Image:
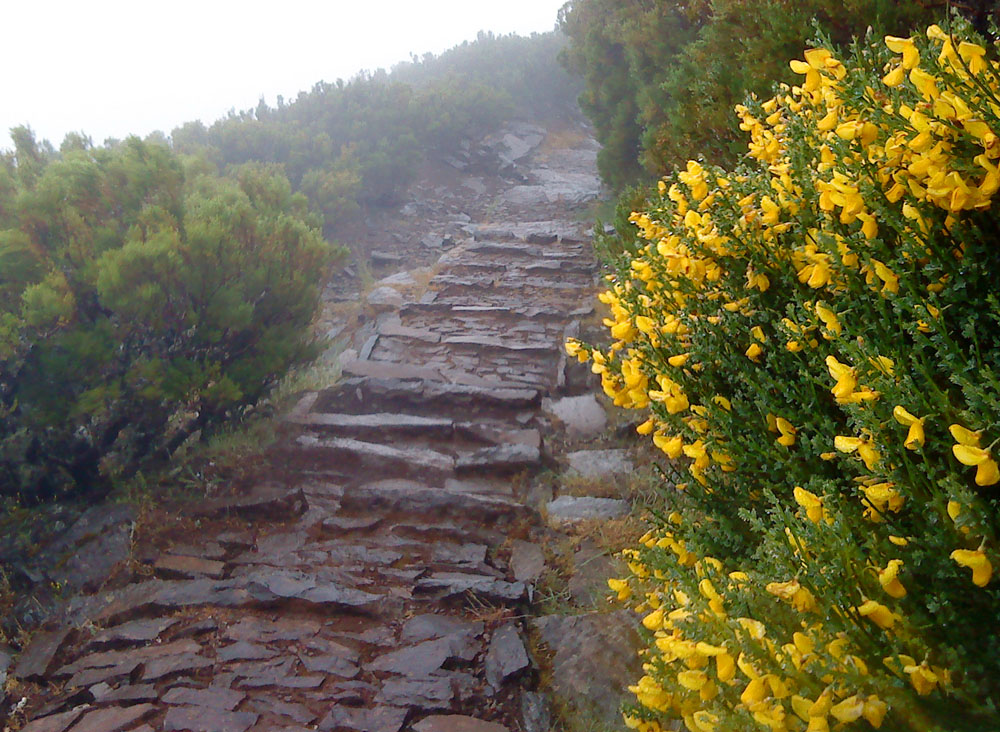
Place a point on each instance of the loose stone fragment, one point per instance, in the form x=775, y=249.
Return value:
x=506, y=656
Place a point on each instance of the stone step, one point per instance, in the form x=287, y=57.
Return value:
x=358, y=456
x=412, y=497
x=504, y=312
x=366, y=395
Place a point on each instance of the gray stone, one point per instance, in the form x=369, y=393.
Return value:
x=205, y=719
x=380, y=257
x=331, y=664
x=263, y=501
x=536, y=712
x=415, y=461
x=600, y=464
x=582, y=416
x=244, y=651
x=593, y=661
x=456, y=723
x=506, y=656
x=426, y=627
x=384, y=298
x=500, y=459
x=409, y=496
x=116, y=719
x=267, y=585
x=429, y=694
x=591, y=569
x=185, y=567
x=126, y=694
x=351, y=719
x=449, y=584
x=571, y=509
x=158, y=668
x=131, y=633
x=55, y=722
x=527, y=561
x=92, y=563
x=212, y=698
x=36, y=661
x=419, y=660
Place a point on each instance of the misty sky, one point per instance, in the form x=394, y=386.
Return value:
x=114, y=67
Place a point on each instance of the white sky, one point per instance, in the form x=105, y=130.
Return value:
x=111, y=68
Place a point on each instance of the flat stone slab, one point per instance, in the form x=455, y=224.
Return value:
x=385, y=298
x=37, y=659
x=506, y=656
x=379, y=456
x=571, y=509
x=55, y=722
x=411, y=496
x=527, y=561
x=174, y=566
x=456, y=723
x=583, y=416
x=116, y=719
x=205, y=719
x=593, y=660
x=212, y=698
x=600, y=463
x=502, y=458
x=360, y=719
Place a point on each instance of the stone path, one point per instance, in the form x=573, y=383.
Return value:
x=379, y=585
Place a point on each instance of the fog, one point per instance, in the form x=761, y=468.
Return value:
x=110, y=68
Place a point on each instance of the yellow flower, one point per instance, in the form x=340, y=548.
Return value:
x=987, y=470
x=889, y=579
x=915, y=436
x=787, y=431
x=812, y=503
x=878, y=613
x=976, y=560
x=800, y=598
x=621, y=588
x=863, y=447
x=754, y=351
x=874, y=711
x=830, y=320
x=905, y=46
x=849, y=710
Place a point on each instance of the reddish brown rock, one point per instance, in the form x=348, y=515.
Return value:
x=204, y=719
x=37, y=660
x=55, y=722
x=113, y=719
x=456, y=723
x=175, y=566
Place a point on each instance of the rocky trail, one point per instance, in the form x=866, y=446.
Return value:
x=385, y=575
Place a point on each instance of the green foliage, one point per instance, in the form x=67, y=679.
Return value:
x=350, y=145
x=139, y=303
x=662, y=77
x=815, y=335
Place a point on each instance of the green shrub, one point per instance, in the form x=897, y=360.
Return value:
x=816, y=335
x=138, y=305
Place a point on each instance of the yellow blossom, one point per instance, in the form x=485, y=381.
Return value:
x=915, y=436
x=976, y=560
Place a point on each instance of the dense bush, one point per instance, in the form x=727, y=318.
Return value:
x=662, y=76
x=138, y=303
x=816, y=336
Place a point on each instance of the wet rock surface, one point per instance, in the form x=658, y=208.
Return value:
x=373, y=587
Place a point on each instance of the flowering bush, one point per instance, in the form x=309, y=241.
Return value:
x=816, y=338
